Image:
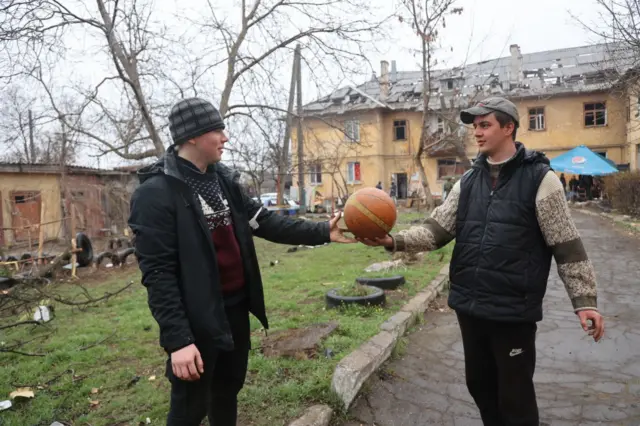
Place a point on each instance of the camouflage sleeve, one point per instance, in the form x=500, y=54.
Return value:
x=574, y=267
x=438, y=230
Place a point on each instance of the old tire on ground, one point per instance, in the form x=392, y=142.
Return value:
x=122, y=256
x=12, y=259
x=385, y=283
x=84, y=257
x=376, y=298
x=108, y=255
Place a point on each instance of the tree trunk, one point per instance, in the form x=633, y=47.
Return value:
x=128, y=63
x=424, y=135
x=423, y=174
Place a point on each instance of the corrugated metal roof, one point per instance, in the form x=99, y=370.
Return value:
x=17, y=167
x=562, y=71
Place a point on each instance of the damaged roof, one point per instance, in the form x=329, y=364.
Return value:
x=583, y=69
x=46, y=168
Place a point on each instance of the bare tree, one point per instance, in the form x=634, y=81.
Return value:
x=257, y=149
x=152, y=66
x=30, y=134
x=426, y=17
x=124, y=28
x=618, y=25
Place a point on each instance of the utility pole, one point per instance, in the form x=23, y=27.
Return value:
x=284, y=160
x=300, y=137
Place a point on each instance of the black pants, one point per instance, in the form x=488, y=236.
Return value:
x=500, y=360
x=216, y=393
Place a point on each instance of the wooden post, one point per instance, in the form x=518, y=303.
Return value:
x=73, y=240
x=41, y=234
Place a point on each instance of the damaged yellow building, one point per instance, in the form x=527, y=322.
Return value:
x=361, y=135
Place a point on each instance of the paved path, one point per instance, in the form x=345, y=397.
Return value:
x=578, y=381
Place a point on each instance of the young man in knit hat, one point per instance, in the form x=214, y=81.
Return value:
x=194, y=228
x=509, y=217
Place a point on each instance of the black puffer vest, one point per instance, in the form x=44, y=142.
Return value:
x=501, y=262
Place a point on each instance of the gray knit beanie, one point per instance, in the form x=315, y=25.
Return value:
x=193, y=117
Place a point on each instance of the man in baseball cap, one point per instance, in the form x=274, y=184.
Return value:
x=194, y=227
x=489, y=105
x=509, y=217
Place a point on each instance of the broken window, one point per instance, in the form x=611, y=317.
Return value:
x=315, y=171
x=352, y=130
x=19, y=199
x=353, y=172
x=440, y=125
x=450, y=167
x=595, y=114
x=400, y=130
x=536, y=118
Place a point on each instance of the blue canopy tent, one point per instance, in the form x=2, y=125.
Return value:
x=582, y=161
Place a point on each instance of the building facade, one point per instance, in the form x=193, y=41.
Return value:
x=31, y=194
x=359, y=136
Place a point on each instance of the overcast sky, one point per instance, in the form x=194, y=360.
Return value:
x=484, y=31
x=487, y=28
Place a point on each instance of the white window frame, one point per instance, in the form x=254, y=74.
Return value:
x=539, y=119
x=351, y=171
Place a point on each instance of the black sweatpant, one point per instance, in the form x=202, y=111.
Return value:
x=216, y=393
x=500, y=360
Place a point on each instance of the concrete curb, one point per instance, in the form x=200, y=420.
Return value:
x=354, y=369
x=317, y=415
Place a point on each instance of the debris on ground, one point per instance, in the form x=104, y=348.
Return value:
x=43, y=314
x=298, y=343
x=383, y=266
x=22, y=393
x=5, y=405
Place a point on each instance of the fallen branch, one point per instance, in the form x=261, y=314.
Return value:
x=4, y=327
x=84, y=348
x=13, y=351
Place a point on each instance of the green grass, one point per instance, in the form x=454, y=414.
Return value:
x=276, y=390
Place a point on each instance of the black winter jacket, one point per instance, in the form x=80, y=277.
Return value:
x=177, y=257
x=501, y=262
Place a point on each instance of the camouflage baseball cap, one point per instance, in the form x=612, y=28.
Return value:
x=487, y=106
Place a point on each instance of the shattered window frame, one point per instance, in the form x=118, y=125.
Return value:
x=537, y=120
x=352, y=130
x=315, y=171
x=595, y=114
x=449, y=167
x=397, y=126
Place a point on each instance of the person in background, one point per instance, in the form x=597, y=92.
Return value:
x=393, y=192
x=379, y=185
x=194, y=227
x=563, y=181
x=509, y=218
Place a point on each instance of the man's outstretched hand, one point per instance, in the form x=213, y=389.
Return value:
x=596, y=329
x=187, y=363
x=336, y=234
x=386, y=241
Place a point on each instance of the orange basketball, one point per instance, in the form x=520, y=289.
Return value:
x=370, y=213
